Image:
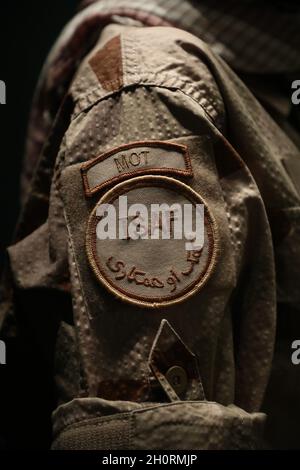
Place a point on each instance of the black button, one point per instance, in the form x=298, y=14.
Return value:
x=177, y=378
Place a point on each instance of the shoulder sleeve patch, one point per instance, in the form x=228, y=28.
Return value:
x=136, y=158
x=136, y=241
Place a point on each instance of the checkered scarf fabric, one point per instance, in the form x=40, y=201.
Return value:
x=252, y=36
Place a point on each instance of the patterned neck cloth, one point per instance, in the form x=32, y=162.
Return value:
x=251, y=37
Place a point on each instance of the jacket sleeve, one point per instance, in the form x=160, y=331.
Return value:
x=187, y=368
x=128, y=95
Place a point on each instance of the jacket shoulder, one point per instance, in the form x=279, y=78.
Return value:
x=158, y=56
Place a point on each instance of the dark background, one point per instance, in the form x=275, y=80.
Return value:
x=28, y=30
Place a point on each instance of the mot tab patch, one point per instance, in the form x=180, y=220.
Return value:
x=152, y=241
x=133, y=159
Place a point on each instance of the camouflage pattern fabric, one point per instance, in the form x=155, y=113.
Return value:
x=123, y=77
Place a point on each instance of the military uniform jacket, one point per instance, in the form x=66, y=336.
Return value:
x=153, y=346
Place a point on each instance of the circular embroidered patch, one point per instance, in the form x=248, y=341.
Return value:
x=152, y=241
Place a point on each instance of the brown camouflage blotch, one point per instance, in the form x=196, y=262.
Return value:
x=107, y=65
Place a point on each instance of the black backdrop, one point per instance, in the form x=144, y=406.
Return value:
x=27, y=31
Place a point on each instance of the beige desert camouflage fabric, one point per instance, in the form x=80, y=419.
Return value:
x=158, y=83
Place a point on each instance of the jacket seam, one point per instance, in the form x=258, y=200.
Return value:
x=88, y=107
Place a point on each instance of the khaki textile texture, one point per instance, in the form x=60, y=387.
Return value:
x=125, y=83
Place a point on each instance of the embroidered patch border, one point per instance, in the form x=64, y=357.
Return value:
x=143, y=300
x=164, y=145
